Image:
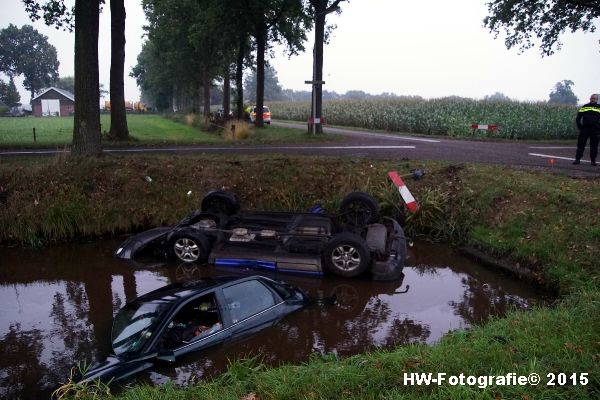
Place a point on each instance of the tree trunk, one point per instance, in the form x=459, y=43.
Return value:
x=206, y=94
x=226, y=93
x=87, y=139
x=261, y=39
x=239, y=84
x=118, y=115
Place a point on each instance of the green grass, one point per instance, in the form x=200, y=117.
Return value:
x=532, y=219
x=146, y=129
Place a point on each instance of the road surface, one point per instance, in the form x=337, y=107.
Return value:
x=358, y=143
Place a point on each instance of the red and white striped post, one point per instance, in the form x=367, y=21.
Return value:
x=408, y=198
x=485, y=127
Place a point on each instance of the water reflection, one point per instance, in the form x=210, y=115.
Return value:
x=58, y=304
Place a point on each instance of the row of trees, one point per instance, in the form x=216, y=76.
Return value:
x=218, y=36
x=84, y=18
x=193, y=44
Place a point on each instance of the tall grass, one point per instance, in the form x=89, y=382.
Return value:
x=445, y=116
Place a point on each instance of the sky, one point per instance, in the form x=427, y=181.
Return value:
x=431, y=49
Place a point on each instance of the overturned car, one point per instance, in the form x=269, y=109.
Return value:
x=347, y=244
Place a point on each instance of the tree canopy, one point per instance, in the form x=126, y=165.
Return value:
x=25, y=51
x=9, y=94
x=192, y=44
x=525, y=21
x=563, y=94
x=273, y=90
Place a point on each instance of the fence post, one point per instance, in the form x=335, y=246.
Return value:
x=34, y=135
x=233, y=131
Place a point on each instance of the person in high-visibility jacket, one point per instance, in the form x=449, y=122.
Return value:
x=588, y=123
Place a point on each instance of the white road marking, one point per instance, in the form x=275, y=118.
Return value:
x=25, y=152
x=264, y=148
x=178, y=149
x=551, y=147
x=558, y=158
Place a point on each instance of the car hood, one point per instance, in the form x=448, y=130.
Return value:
x=133, y=245
x=114, y=369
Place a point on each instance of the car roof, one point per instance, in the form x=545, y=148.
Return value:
x=179, y=291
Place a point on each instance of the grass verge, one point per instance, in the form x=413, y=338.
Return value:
x=144, y=129
x=545, y=223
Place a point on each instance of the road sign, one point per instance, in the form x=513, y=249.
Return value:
x=408, y=198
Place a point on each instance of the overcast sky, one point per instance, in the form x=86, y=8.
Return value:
x=432, y=49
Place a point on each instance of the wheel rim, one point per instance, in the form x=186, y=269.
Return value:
x=346, y=258
x=186, y=250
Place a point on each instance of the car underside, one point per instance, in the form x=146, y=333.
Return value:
x=347, y=244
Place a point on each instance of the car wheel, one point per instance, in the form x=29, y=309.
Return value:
x=347, y=255
x=220, y=202
x=359, y=209
x=188, y=246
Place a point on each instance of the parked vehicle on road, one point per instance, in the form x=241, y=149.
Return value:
x=347, y=244
x=266, y=115
x=181, y=318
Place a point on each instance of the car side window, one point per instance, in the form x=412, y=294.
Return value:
x=246, y=299
x=197, y=319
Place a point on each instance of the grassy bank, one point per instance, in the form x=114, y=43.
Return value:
x=445, y=116
x=144, y=129
x=533, y=220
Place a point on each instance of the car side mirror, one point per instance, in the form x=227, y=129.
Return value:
x=167, y=356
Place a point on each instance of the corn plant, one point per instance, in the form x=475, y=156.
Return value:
x=449, y=116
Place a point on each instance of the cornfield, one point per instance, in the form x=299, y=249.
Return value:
x=445, y=116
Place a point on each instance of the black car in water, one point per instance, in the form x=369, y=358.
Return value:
x=348, y=243
x=181, y=318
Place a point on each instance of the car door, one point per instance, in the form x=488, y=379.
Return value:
x=251, y=305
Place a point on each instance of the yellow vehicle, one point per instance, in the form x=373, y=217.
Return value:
x=138, y=106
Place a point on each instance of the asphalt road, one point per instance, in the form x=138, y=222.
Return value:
x=536, y=155
x=532, y=155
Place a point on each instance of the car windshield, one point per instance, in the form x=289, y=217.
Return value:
x=135, y=323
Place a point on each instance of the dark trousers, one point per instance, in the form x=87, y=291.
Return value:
x=582, y=139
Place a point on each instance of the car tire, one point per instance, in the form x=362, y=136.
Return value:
x=346, y=255
x=359, y=209
x=189, y=246
x=220, y=202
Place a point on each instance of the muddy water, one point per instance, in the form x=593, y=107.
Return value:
x=56, y=307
